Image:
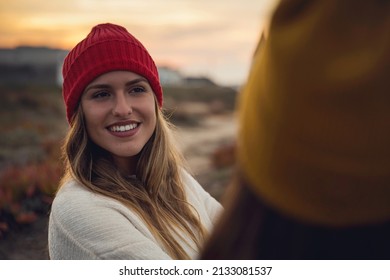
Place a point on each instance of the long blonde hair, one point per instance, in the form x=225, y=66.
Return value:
x=156, y=194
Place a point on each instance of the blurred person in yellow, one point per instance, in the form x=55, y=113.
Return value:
x=313, y=170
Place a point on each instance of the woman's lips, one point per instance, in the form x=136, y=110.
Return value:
x=124, y=129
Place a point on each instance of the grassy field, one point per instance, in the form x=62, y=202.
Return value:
x=32, y=125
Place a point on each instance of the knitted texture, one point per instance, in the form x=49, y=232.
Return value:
x=108, y=47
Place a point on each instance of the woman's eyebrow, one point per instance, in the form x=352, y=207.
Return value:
x=135, y=81
x=97, y=86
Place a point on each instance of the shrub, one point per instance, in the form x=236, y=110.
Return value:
x=27, y=192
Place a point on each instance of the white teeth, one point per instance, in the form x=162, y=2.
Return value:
x=123, y=128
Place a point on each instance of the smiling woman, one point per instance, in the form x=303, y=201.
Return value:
x=125, y=193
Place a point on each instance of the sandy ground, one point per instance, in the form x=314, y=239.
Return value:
x=197, y=143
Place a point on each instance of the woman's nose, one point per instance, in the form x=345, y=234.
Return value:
x=122, y=106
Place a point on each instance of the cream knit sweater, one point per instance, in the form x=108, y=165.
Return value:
x=85, y=225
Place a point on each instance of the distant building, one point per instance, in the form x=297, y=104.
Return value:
x=34, y=65
x=169, y=76
x=198, y=81
x=39, y=56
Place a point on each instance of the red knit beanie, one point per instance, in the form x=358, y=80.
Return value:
x=108, y=47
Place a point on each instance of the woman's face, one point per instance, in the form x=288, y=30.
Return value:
x=119, y=111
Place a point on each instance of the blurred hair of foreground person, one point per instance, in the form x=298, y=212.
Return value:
x=125, y=193
x=313, y=170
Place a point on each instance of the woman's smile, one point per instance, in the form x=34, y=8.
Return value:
x=124, y=129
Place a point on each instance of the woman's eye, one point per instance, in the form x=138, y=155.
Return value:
x=100, y=94
x=138, y=89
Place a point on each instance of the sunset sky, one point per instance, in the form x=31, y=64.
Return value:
x=215, y=38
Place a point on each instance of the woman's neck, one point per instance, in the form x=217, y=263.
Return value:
x=126, y=165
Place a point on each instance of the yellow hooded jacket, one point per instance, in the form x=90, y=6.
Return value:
x=314, y=136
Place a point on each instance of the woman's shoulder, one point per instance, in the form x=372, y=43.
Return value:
x=87, y=225
x=194, y=190
x=189, y=181
x=73, y=192
x=74, y=199
x=75, y=206
x=205, y=204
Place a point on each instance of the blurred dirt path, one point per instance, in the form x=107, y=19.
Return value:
x=198, y=143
